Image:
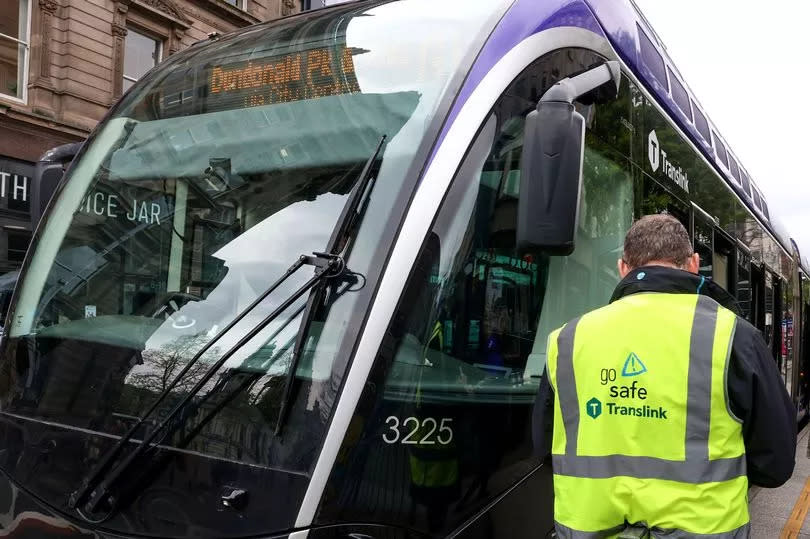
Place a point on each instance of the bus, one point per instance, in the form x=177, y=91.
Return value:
x=298, y=283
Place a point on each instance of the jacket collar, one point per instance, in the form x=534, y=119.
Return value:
x=672, y=281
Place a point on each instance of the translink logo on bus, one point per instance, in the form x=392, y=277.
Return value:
x=633, y=367
x=658, y=157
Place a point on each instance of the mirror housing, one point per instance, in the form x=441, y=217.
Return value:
x=553, y=151
x=48, y=173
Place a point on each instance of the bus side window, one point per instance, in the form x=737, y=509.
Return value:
x=704, y=246
x=744, y=291
x=724, y=253
x=769, y=309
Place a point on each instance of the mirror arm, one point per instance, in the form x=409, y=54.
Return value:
x=62, y=154
x=569, y=89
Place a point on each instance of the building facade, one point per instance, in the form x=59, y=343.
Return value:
x=63, y=63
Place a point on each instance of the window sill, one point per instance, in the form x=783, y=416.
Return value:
x=5, y=98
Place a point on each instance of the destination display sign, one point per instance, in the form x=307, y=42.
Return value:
x=296, y=76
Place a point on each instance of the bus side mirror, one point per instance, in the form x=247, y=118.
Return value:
x=47, y=174
x=553, y=150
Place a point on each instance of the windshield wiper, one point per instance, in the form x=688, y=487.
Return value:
x=330, y=264
x=337, y=246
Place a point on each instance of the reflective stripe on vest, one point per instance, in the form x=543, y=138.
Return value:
x=563, y=532
x=590, y=465
x=697, y=468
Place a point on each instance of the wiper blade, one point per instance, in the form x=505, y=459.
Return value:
x=328, y=264
x=337, y=246
x=355, y=206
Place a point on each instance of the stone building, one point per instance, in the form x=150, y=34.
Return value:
x=63, y=63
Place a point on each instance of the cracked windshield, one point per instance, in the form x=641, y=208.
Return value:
x=206, y=185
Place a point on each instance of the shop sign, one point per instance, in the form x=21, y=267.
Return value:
x=15, y=183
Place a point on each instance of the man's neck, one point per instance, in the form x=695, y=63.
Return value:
x=662, y=263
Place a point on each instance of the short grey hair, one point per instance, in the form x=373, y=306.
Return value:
x=657, y=238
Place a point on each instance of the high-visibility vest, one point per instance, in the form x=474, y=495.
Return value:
x=436, y=465
x=643, y=431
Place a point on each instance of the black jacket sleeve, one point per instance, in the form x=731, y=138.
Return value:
x=543, y=419
x=758, y=397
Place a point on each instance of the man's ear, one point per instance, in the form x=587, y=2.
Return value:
x=624, y=269
x=693, y=265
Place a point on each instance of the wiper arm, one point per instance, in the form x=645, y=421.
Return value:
x=218, y=401
x=329, y=264
x=325, y=267
x=337, y=246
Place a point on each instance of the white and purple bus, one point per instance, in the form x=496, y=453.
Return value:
x=298, y=283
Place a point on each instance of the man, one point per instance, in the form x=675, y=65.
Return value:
x=665, y=403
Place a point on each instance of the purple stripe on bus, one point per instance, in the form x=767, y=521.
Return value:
x=524, y=18
x=619, y=22
x=615, y=20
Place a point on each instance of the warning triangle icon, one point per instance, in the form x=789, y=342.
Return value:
x=633, y=366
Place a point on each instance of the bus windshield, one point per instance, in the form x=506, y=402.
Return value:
x=208, y=180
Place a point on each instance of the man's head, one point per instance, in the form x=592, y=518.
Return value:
x=658, y=240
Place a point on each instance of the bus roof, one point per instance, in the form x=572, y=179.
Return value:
x=630, y=34
x=640, y=47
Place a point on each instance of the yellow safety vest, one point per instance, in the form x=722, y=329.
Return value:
x=643, y=431
x=432, y=466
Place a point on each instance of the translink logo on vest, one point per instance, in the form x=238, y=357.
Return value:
x=632, y=392
x=637, y=411
x=594, y=407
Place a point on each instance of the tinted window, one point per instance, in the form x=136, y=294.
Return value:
x=720, y=150
x=746, y=183
x=701, y=123
x=455, y=380
x=723, y=261
x=769, y=306
x=651, y=58
x=657, y=199
x=744, y=283
x=704, y=247
x=735, y=171
x=765, y=210
x=17, y=245
x=679, y=93
x=786, y=336
x=757, y=199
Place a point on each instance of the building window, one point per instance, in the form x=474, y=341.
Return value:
x=14, y=24
x=315, y=4
x=238, y=3
x=141, y=54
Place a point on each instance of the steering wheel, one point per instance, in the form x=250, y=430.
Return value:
x=168, y=308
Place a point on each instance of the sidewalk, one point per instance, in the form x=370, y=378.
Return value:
x=782, y=512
